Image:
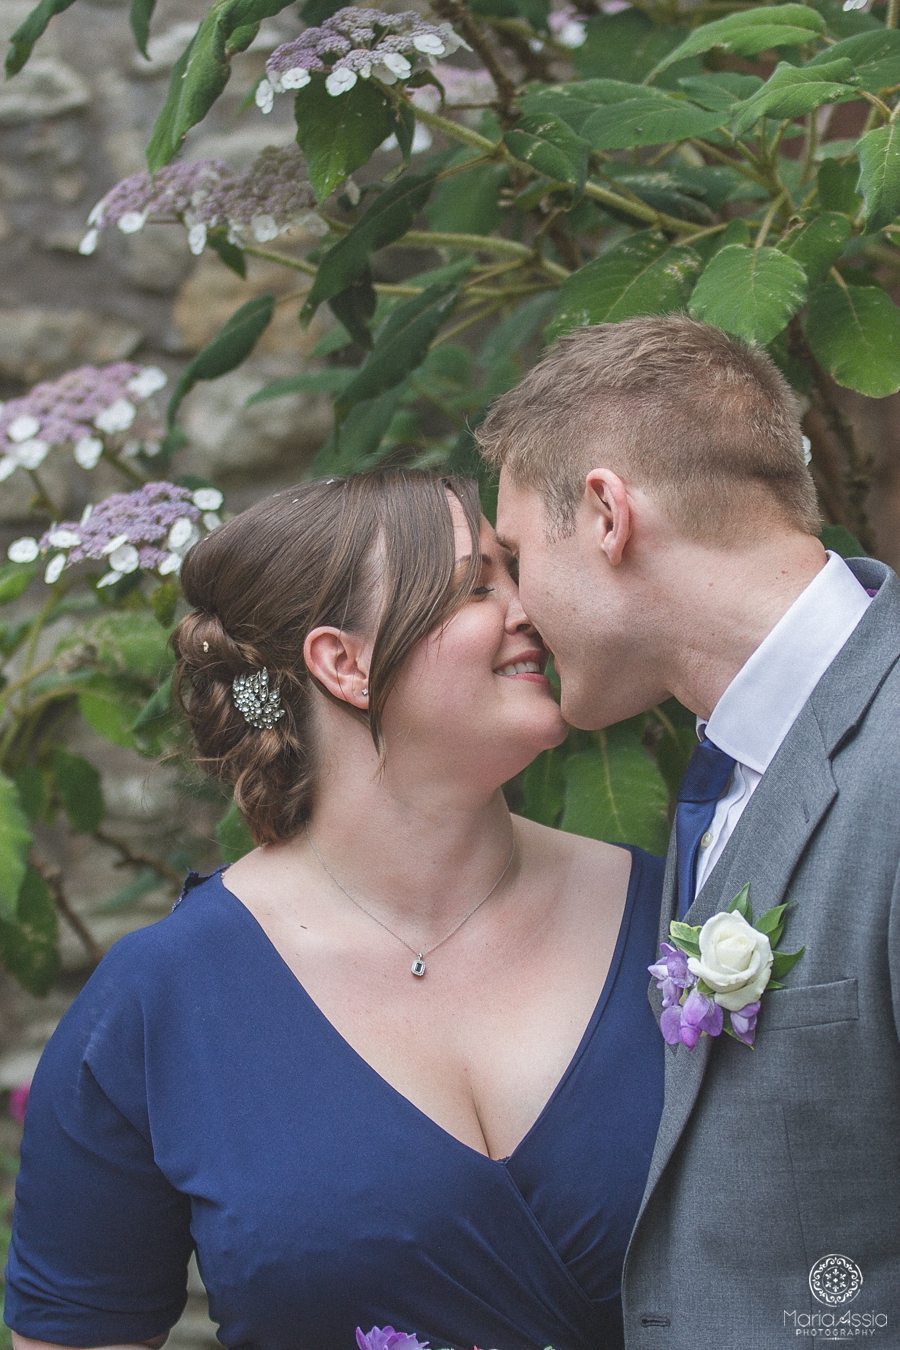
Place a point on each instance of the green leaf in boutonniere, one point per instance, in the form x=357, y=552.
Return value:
x=782, y=962
x=772, y=923
x=741, y=904
x=686, y=937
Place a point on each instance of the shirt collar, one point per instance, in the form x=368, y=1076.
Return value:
x=762, y=702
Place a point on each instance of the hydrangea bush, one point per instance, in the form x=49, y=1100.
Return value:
x=465, y=182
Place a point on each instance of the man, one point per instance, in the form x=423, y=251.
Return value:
x=653, y=486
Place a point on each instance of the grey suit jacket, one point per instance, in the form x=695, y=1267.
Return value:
x=769, y=1159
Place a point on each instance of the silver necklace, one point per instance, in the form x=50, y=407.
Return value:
x=418, y=966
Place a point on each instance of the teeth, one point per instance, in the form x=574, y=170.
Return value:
x=520, y=668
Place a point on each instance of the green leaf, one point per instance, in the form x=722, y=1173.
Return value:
x=751, y=292
x=26, y=35
x=664, y=189
x=685, y=932
x=164, y=601
x=836, y=186
x=648, y=120
x=534, y=11
x=720, y=90
x=330, y=381
x=550, y=146
x=875, y=57
x=508, y=336
x=817, y=243
x=388, y=218
x=202, y=72
x=28, y=943
x=32, y=789
x=645, y=274
x=748, y=33
x=233, y=835
x=624, y=46
x=470, y=207
x=741, y=904
x=782, y=962
x=139, y=15
x=15, y=578
x=854, y=333
x=232, y=344
x=543, y=788
x=355, y=443
x=110, y=708
x=339, y=135
x=125, y=643
x=839, y=539
x=232, y=256
x=616, y=792
x=154, y=719
x=15, y=841
x=771, y=923
x=401, y=344
x=142, y=884
x=78, y=785
x=791, y=91
x=879, y=174
x=575, y=103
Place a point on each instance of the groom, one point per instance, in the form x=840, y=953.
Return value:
x=653, y=485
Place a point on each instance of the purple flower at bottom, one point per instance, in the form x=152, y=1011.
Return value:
x=675, y=1030
x=703, y=1012
x=18, y=1100
x=386, y=1338
x=743, y=1022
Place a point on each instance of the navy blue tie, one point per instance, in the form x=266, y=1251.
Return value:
x=707, y=776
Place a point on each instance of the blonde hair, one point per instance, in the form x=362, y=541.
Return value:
x=699, y=418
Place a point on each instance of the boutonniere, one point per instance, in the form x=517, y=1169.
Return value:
x=724, y=965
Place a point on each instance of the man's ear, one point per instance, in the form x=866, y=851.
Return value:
x=607, y=498
x=340, y=662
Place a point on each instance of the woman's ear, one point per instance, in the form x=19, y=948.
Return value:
x=608, y=500
x=340, y=662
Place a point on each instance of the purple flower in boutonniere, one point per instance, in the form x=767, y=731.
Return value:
x=671, y=973
x=386, y=1338
x=725, y=965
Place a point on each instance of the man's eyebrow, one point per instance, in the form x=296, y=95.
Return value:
x=506, y=545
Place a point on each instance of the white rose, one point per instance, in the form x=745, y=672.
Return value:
x=735, y=960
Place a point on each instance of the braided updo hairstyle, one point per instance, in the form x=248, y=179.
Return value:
x=371, y=553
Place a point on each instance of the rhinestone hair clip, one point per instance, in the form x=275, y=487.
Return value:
x=255, y=701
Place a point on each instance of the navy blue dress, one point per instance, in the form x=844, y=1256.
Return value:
x=195, y=1096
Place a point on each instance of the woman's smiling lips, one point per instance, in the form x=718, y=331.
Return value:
x=527, y=665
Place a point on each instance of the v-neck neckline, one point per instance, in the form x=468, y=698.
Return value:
x=385, y=1085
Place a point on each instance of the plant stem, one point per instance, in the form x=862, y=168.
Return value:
x=459, y=17
x=128, y=858
x=767, y=221
x=267, y=255
x=52, y=876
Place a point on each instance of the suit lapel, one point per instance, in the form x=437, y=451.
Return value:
x=783, y=814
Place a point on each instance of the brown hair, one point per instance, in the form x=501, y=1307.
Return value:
x=372, y=553
x=700, y=418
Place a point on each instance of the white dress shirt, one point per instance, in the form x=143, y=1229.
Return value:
x=764, y=699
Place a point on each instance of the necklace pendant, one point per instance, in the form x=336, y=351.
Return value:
x=418, y=966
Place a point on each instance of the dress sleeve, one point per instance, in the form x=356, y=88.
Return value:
x=101, y=1239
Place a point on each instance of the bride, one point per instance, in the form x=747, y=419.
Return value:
x=396, y=1065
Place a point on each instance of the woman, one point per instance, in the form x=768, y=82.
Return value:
x=396, y=1065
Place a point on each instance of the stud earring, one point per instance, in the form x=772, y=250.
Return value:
x=365, y=693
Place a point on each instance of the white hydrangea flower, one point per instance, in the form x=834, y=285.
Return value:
x=264, y=228
x=117, y=417
x=108, y=579
x=86, y=513
x=180, y=533
x=132, y=221
x=197, y=239
x=23, y=550
x=54, y=568
x=298, y=78
x=31, y=454
x=149, y=381
x=340, y=81
x=170, y=564
x=211, y=520
x=125, y=559
x=95, y=215
x=265, y=96
x=63, y=538
x=152, y=448
x=113, y=544
x=87, y=452
x=207, y=499
x=807, y=450
x=88, y=244
x=397, y=65
x=573, y=34
x=7, y=466
x=23, y=428
x=429, y=44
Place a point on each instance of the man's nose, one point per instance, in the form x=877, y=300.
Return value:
x=517, y=620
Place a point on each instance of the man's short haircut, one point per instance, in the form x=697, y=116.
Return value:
x=700, y=419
